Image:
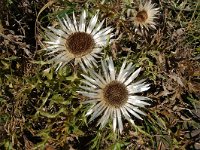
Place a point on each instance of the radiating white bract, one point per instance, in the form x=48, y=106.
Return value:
x=95, y=84
x=144, y=17
x=59, y=52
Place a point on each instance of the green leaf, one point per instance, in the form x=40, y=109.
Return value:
x=48, y=115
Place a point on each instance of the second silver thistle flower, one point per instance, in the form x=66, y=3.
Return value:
x=113, y=94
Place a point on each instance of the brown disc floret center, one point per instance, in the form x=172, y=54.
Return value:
x=80, y=43
x=115, y=94
x=142, y=16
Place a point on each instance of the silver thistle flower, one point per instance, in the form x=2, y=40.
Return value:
x=75, y=41
x=113, y=95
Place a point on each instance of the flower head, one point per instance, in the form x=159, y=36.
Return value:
x=144, y=17
x=113, y=95
x=77, y=41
